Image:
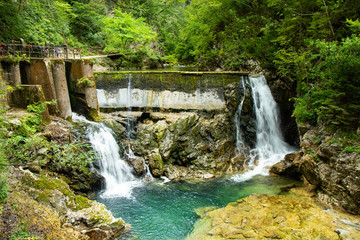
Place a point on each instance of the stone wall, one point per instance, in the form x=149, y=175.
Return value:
x=82, y=88
x=38, y=73
x=164, y=90
x=53, y=76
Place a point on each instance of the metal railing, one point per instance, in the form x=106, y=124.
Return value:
x=38, y=51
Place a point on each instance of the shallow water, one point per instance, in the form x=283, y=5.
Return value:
x=166, y=211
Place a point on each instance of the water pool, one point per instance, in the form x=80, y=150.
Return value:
x=159, y=211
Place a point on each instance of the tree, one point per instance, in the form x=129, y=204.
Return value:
x=132, y=38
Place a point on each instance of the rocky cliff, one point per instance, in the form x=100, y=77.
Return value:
x=329, y=162
x=178, y=141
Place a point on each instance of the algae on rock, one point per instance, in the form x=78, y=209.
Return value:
x=46, y=207
x=262, y=216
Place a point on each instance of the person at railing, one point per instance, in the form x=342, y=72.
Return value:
x=2, y=49
x=79, y=52
x=28, y=49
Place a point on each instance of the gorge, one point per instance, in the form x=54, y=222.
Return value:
x=179, y=119
x=168, y=138
x=170, y=121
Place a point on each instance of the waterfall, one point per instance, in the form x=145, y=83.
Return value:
x=240, y=145
x=118, y=175
x=129, y=92
x=270, y=147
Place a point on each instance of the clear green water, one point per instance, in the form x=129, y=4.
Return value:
x=165, y=211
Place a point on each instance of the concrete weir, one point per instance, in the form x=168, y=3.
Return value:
x=56, y=80
x=164, y=90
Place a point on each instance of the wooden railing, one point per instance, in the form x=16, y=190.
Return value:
x=38, y=51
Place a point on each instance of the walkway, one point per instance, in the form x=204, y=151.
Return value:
x=39, y=52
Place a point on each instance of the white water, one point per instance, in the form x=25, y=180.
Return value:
x=122, y=98
x=118, y=175
x=270, y=147
x=240, y=145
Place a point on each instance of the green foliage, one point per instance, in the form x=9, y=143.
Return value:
x=85, y=82
x=86, y=22
x=333, y=99
x=304, y=41
x=20, y=233
x=3, y=188
x=74, y=155
x=15, y=58
x=22, y=144
x=10, y=19
x=128, y=36
x=45, y=21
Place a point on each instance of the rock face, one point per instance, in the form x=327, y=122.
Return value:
x=283, y=92
x=186, y=125
x=261, y=216
x=49, y=209
x=186, y=145
x=327, y=165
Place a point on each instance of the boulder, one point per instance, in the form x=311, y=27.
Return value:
x=325, y=163
x=286, y=167
x=261, y=216
x=51, y=210
x=138, y=164
x=186, y=144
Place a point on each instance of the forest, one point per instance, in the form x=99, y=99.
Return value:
x=310, y=48
x=314, y=45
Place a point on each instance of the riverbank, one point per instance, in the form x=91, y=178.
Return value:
x=44, y=181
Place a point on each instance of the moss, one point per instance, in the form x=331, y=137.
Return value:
x=37, y=220
x=57, y=61
x=173, y=81
x=81, y=202
x=93, y=114
x=43, y=196
x=98, y=214
x=44, y=183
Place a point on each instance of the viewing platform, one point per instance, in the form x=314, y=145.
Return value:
x=20, y=48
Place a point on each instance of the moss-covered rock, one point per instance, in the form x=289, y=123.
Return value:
x=261, y=216
x=46, y=207
x=331, y=164
x=156, y=163
x=187, y=145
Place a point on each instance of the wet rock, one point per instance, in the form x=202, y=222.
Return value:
x=286, y=167
x=156, y=163
x=116, y=123
x=261, y=216
x=138, y=164
x=233, y=96
x=97, y=234
x=195, y=145
x=287, y=188
x=282, y=92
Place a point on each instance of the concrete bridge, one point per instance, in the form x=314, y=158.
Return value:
x=70, y=82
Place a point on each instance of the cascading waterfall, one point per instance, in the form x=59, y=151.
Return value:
x=118, y=175
x=130, y=129
x=240, y=145
x=270, y=146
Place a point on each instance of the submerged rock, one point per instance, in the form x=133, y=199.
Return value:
x=261, y=216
